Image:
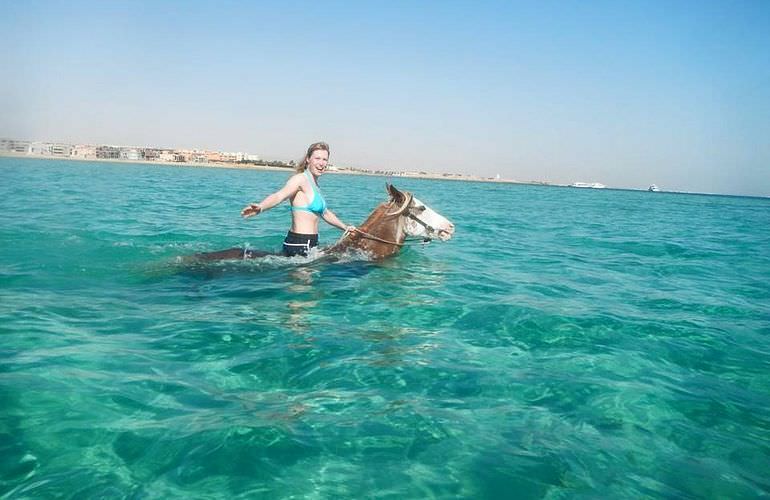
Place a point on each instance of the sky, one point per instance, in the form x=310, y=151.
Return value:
x=626, y=93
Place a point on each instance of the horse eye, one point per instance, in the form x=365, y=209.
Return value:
x=420, y=208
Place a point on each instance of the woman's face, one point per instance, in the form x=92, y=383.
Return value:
x=318, y=161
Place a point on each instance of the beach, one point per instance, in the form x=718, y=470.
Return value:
x=250, y=166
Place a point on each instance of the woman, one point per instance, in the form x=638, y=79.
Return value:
x=307, y=202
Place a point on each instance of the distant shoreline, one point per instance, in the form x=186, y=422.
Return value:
x=429, y=176
x=250, y=166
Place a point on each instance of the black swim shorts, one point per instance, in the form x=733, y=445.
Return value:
x=299, y=244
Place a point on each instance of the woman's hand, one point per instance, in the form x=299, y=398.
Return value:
x=251, y=209
x=350, y=229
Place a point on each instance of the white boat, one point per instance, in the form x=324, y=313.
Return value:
x=592, y=185
x=653, y=188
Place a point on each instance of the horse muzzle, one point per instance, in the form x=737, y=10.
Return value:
x=446, y=232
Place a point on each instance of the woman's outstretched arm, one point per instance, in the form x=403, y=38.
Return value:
x=291, y=187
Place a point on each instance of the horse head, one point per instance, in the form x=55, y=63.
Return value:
x=391, y=223
x=420, y=221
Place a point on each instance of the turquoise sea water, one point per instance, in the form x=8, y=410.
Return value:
x=566, y=343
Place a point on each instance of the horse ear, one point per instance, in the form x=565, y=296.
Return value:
x=394, y=193
x=407, y=200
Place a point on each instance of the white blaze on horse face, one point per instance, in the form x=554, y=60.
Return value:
x=442, y=228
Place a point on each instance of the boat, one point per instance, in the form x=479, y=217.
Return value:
x=653, y=188
x=592, y=185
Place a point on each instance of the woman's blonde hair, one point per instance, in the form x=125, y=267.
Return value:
x=302, y=166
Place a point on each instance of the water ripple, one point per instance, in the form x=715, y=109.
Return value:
x=586, y=343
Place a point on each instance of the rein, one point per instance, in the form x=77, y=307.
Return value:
x=376, y=238
x=389, y=242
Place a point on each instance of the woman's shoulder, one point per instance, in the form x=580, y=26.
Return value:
x=296, y=178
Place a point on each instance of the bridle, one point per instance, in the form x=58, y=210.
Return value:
x=407, y=208
x=430, y=229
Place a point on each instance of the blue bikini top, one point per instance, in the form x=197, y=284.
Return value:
x=317, y=205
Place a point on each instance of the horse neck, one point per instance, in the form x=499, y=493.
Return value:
x=381, y=225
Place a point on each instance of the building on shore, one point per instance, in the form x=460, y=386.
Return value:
x=60, y=149
x=214, y=156
x=83, y=151
x=131, y=154
x=151, y=154
x=47, y=149
x=108, y=152
x=39, y=148
x=35, y=148
x=127, y=153
x=166, y=155
x=14, y=146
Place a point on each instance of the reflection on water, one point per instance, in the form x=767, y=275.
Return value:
x=301, y=304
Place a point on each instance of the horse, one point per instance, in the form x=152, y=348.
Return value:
x=382, y=234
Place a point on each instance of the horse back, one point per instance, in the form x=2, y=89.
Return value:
x=231, y=254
